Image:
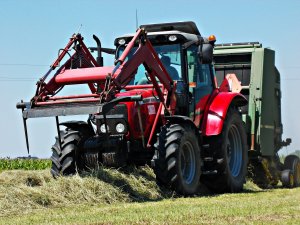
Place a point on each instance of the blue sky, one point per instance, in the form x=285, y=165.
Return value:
x=32, y=31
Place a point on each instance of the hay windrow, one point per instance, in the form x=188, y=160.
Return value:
x=25, y=191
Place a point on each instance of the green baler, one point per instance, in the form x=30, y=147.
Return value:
x=255, y=68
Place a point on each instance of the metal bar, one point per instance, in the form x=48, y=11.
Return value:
x=91, y=58
x=90, y=100
x=87, y=52
x=245, y=87
x=78, y=108
x=58, y=131
x=158, y=114
x=26, y=134
x=241, y=44
x=73, y=96
x=25, y=130
x=142, y=86
x=140, y=123
x=129, y=46
x=64, y=52
x=62, y=110
x=159, y=92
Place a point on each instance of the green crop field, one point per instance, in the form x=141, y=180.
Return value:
x=131, y=196
x=24, y=164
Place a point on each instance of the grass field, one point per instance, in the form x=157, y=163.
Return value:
x=109, y=196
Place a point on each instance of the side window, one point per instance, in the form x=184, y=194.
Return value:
x=199, y=74
x=204, y=75
x=192, y=68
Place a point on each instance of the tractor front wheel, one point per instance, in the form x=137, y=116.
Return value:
x=65, y=153
x=177, y=161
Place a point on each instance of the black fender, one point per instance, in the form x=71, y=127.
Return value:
x=176, y=119
x=81, y=126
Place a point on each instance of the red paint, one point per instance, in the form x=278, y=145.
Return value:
x=217, y=110
x=72, y=96
x=143, y=86
x=200, y=108
x=148, y=118
x=84, y=75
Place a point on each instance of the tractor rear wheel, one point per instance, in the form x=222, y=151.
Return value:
x=292, y=163
x=65, y=157
x=230, y=148
x=177, y=163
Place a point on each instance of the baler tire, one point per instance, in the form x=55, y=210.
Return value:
x=65, y=157
x=287, y=178
x=177, y=162
x=292, y=162
x=231, y=153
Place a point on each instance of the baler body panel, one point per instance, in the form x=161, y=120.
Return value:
x=260, y=80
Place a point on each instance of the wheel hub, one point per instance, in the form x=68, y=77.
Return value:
x=234, y=151
x=188, y=166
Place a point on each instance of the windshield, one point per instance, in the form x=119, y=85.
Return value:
x=170, y=57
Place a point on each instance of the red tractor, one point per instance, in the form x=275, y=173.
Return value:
x=159, y=104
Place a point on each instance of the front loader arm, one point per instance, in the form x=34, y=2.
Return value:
x=82, y=68
x=146, y=55
x=49, y=88
x=116, y=80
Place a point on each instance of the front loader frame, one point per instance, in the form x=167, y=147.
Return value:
x=109, y=80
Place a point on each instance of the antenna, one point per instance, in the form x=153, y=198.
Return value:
x=136, y=19
x=79, y=28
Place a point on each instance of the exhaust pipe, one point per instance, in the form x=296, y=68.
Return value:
x=99, y=57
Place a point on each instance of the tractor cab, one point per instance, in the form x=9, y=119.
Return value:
x=187, y=57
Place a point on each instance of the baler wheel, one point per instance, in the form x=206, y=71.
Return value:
x=177, y=163
x=230, y=148
x=64, y=157
x=292, y=163
x=287, y=178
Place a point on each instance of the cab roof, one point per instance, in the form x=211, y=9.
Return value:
x=188, y=27
x=187, y=31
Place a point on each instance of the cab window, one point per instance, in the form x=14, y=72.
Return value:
x=170, y=55
x=198, y=74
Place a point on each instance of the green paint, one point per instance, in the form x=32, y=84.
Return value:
x=263, y=115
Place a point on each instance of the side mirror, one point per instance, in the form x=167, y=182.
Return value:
x=205, y=53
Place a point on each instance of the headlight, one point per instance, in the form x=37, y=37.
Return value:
x=121, y=41
x=172, y=38
x=103, y=128
x=120, y=127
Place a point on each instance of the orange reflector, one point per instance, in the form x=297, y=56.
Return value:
x=212, y=38
x=192, y=84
